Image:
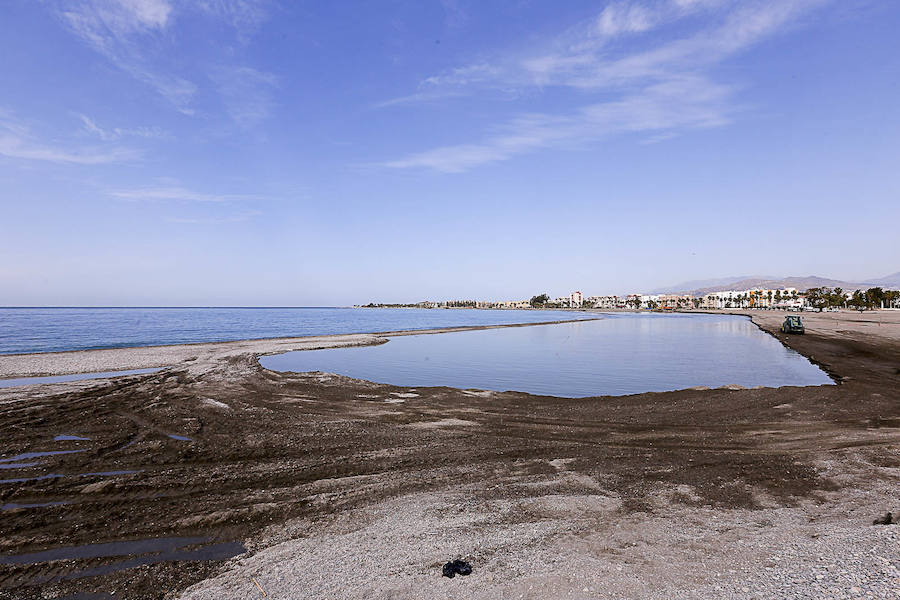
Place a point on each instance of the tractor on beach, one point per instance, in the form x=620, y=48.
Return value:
x=793, y=324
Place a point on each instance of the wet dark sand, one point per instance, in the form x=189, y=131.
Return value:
x=304, y=464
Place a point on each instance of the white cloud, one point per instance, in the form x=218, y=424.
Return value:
x=417, y=98
x=97, y=20
x=17, y=141
x=115, y=133
x=175, y=192
x=625, y=17
x=238, y=217
x=464, y=75
x=15, y=148
x=660, y=85
x=246, y=16
x=662, y=109
x=122, y=31
x=246, y=92
x=134, y=35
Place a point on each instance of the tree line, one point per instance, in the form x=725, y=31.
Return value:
x=876, y=297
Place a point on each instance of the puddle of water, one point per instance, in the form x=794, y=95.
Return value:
x=70, y=438
x=140, y=552
x=14, y=505
x=24, y=479
x=103, y=550
x=180, y=437
x=220, y=551
x=19, y=465
x=37, y=455
x=57, y=475
x=5, y=383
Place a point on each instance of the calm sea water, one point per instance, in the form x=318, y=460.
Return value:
x=621, y=354
x=54, y=329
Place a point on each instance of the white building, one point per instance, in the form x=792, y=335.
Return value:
x=576, y=299
x=602, y=302
x=755, y=298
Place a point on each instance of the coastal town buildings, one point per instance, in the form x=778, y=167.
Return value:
x=608, y=302
x=786, y=298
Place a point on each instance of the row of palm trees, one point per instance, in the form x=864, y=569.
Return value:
x=752, y=299
x=874, y=297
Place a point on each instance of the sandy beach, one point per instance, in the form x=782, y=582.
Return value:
x=340, y=488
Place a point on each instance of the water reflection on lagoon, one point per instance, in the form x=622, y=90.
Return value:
x=620, y=354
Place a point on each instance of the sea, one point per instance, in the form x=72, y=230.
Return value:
x=29, y=329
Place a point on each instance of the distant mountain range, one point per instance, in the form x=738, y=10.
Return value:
x=890, y=280
x=700, y=287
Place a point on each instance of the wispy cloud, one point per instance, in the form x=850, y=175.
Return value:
x=453, y=83
x=246, y=92
x=178, y=193
x=124, y=31
x=115, y=133
x=238, y=217
x=18, y=141
x=245, y=16
x=137, y=37
x=686, y=102
x=214, y=202
x=659, y=85
x=454, y=14
x=419, y=98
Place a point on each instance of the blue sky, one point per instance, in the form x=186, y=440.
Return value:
x=250, y=152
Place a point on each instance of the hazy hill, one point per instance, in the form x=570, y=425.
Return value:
x=687, y=286
x=700, y=287
x=801, y=283
x=889, y=280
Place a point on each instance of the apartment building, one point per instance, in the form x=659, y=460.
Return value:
x=607, y=302
x=755, y=298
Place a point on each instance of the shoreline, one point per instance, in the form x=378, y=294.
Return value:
x=346, y=488
x=98, y=360
x=195, y=355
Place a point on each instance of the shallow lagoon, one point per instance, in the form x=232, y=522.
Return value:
x=5, y=383
x=619, y=354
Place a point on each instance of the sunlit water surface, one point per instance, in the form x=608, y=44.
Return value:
x=620, y=354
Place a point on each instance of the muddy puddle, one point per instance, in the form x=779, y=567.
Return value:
x=59, y=475
x=16, y=506
x=28, y=455
x=91, y=560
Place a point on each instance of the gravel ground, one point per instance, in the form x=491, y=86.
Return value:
x=576, y=546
